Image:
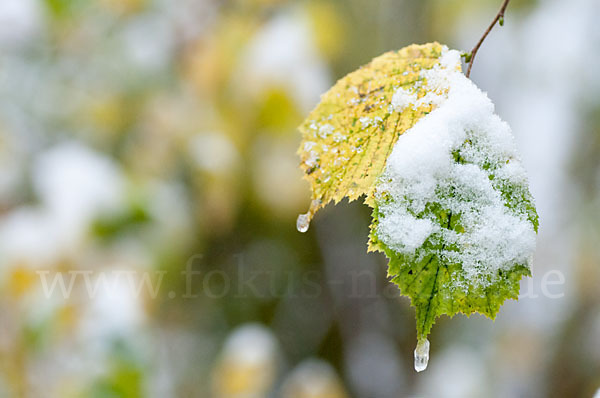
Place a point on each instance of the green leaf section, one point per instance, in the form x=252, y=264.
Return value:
x=428, y=279
x=437, y=286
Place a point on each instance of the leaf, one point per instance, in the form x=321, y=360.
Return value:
x=347, y=138
x=451, y=204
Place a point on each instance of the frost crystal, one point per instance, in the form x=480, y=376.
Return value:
x=454, y=186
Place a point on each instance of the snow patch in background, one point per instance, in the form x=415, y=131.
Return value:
x=74, y=184
x=20, y=21
x=283, y=54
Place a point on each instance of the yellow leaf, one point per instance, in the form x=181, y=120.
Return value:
x=348, y=137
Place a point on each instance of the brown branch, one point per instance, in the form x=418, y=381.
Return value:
x=499, y=17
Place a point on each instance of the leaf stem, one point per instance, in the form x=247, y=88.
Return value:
x=499, y=17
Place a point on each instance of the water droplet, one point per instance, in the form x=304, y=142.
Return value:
x=303, y=222
x=422, y=355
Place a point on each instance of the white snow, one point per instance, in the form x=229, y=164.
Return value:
x=312, y=378
x=283, y=54
x=408, y=232
x=149, y=55
x=20, y=21
x=326, y=130
x=74, y=184
x=214, y=152
x=251, y=344
x=422, y=170
x=402, y=98
x=114, y=307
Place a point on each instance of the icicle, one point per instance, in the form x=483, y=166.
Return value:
x=303, y=220
x=421, y=355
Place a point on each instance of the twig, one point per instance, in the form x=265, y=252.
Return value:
x=499, y=17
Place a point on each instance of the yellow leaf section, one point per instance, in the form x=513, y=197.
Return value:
x=348, y=137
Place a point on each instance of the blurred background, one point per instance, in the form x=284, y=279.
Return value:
x=149, y=189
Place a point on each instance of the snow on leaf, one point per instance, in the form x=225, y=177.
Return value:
x=349, y=135
x=453, y=211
